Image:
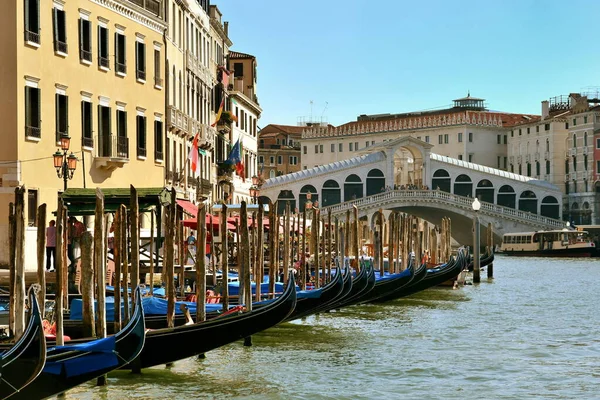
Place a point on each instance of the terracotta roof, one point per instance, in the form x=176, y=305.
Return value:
x=236, y=54
x=289, y=129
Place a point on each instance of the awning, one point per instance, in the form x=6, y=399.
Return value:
x=83, y=201
x=188, y=207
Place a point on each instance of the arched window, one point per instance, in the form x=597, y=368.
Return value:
x=585, y=138
x=375, y=181
x=550, y=207
x=547, y=144
x=574, y=140
x=485, y=191
x=506, y=196
x=353, y=188
x=463, y=186
x=304, y=194
x=547, y=167
x=441, y=180
x=331, y=193
x=528, y=202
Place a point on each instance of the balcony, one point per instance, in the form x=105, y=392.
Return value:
x=85, y=55
x=32, y=37
x=153, y=6
x=33, y=132
x=177, y=120
x=225, y=173
x=585, y=150
x=546, y=155
x=202, y=190
x=111, y=151
x=528, y=158
x=61, y=47
x=537, y=156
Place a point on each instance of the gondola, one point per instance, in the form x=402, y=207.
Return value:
x=387, y=284
x=24, y=361
x=485, y=260
x=171, y=344
x=419, y=275
x=80, y=361
x=359, y=284
x=436, y=276
x=327, y=294
x=347, y=279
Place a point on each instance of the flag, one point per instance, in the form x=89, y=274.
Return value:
x=236, y=158
x=225, y=79
x=193, y=156
x=234, y=102
x=218, y=117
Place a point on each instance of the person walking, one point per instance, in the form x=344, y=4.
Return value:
x=51, y=246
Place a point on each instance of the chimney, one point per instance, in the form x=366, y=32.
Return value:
x=226, y=28
x=545, y=109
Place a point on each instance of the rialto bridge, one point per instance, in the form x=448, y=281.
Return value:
x=404, y=175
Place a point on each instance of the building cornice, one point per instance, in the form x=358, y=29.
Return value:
x=246, y=101
x=135, y=14
x=219, y=28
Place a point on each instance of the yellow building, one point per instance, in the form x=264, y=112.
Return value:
x=92, y=70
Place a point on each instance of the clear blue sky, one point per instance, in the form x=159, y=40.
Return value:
x=370, y=57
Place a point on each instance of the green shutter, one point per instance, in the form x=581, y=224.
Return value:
x=80, y=37
x=27, y=109
x=38, y=121
x=26, y=9
x=55, y=27
x=99, y=44
x=116, y=51
x=56, y=116
x=67, y=115
x=99, y=121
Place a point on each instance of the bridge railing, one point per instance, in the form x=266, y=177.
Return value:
x=463, y=202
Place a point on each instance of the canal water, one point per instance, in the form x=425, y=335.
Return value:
x=533, y=332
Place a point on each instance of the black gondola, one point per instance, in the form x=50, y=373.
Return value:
x=387, y=284
x=329, y=293
x=419, y=275
x=359, y=284
x=80, y=361
x=171, y=344
x=485, y=260
x=24, y=361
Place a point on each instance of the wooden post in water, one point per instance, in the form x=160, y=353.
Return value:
x=60, y=271
x=490, y=267
x=12, y=234
x=357, y=238
x=201, y=265
x=152, y=252
x=125, y=260
x=380, y=243
x=87, y=285
x=347, y=237
x=391, y=238
x=135, y=241
x=244, y=257
x=323, y=247
x=260, y=253
x=316, y=232
x=449, y=239
x=224, y=258
x=286, y=243
x=41, y=251
x=302, y=253
x=336, y=246
x=328, y=262
x=118, y=252
x=99, y=268
x=20, y=262
x=182, y=254
x=169, y=260
x=272, y=246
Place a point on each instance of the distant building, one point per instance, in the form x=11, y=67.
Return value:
x=279, y=150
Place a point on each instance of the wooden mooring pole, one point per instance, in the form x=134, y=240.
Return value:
x=118, y=251
x=60, y=270
x=41, y=250
x=135, y=241
x=20, y=262
x=490, y=244
x=224, y=258
x=201, y=265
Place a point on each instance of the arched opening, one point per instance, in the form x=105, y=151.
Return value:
x=441, y=180
x=285, y=197
x=586, y=214
x=485, y=191
x=528, y=202
x=264, y=199
x=550, y=207
x=331, y=193
x=375, y=182
x=306, y=189
x=463, y=186
x=353, y=188
x=506, y=196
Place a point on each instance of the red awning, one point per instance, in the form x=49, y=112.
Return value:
x=188, y=207
x=191, y=223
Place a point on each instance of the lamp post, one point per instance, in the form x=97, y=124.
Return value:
x=255, y=188
x=65, y=164
x=476, y=262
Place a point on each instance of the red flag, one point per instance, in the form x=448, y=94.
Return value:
x=193, y=156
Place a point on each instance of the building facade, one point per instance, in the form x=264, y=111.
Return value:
x=89, y=70
x=279, y=150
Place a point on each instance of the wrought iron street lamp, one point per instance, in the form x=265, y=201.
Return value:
x=255, y=188
x=64, y=163
x=476, y=262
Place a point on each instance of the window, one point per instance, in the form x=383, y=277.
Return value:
x=585, y=119
x=528, y=169
x=85, y=40
x=158, y=141
x=505, y=139
x=566, y=166
x=272, y=160
x=279, y=160
x=426, y=139
x=528, y=130
x=567, y=187
x=33, y=109
x=520, y=169
x=574, y=163
x=585, y=142
x=140, y=61
x=460, y=156
x=86, y=124
x=104, y=126
x=440, y=139
x=574, y=140
x=351, y=146
x=120, y=53
x=547, y=167
x=537, y=128
x=316, y=149
x=598, y=167
x=598, y=143
x=499, y=139
x=59, y=25
x=238, y=69
x=547, y=144
x=321, y=148
x=32, y=21
x=333, y=147
x=512, y=134
x=158, y=82
x=372, y=142
x=470, y=137
x=546, y=127
x=32, y=205
x=261, y=159
x=512, y=168
x=498, y=162
x=470, y=157
x=574, y=121
x=505, y=162
x=141, y=135
x=355, y=145
x=122, y=140
x=537, y=168
x=367, y=143
x=304, y=149
x=519, y=132
x=277, y=141
x=293, y=160
x=585, y=162
x=62, y=115
x=459, y=137
x=446, y=138
x=103, y=58
x=340, y=147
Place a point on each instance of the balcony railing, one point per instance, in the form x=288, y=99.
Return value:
x=141, y=152
x=158, y=81
x=103, y=62
x=150, y=5
x=32, y=37
x=85, y=55
x=177, y=119
x=87, y=141
x=158, y=155
x=34, y=132
x=111, y=146
x=141, y=75
x=61, y=47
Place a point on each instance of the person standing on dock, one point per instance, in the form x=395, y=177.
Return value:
x=51, y=246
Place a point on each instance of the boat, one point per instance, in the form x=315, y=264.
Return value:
x=311, y=304
x=347, y=279
x=359, y=285
x=24, y=361
x=80, y=361
x=552, y=243
x=419, y=275
x=168, y=345
x=486, y=259
x=387, y=284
